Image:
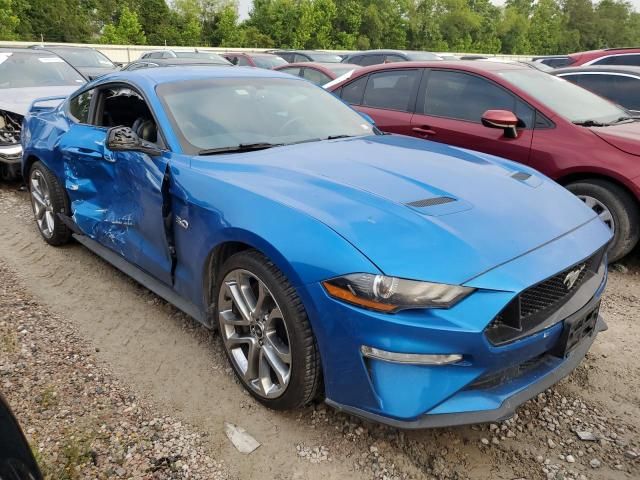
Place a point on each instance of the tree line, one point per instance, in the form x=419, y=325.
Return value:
x=519, y=27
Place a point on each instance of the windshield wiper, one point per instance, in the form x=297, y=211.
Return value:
x=591, y=123
x=243, y=147
x=335, y=137
x=625, y=119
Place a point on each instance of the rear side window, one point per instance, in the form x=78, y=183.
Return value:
x=79, y=106
x=300, y=58
x=243, y=62
x=624, y=91
x=391, y=90
x=466, y=97
x=352, y=93
x=393, y=58
x=357, y=60
x=291, y=71
x=315, y=76
x=371, y=60
x=633, y=60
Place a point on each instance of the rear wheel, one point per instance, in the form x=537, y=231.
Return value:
x=48, y=198
x=266, y=333
x=616, y=208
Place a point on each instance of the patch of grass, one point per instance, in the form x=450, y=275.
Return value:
x=8, y=341
x=75, y=451
x=47, y=398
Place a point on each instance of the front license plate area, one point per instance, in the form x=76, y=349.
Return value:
x=575, y=330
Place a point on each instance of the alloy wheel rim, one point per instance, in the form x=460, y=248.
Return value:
x=254, y=333
x=601, y=210
x=42, y=205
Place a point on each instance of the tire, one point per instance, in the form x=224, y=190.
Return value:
x=280, y=314
x=48, y=198
x=623, y=210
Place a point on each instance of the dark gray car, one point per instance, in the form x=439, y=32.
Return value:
x=88, y=61
x=620, y=84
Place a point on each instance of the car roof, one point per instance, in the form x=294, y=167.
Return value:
x=599, y=68
x=328, y=65
x=159, y=76
x=179, y=61
x=27, y=51
x=67, y=47
x=251, y=54
x=477, y=66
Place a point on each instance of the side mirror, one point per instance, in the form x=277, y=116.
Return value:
x=123, y=139
x=503, y=119
x=368, y=118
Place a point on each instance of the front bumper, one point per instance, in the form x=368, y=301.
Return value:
x=508, y=407
x=420, y=396
x=11, y=154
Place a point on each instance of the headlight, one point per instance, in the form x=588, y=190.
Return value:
x=390, y=294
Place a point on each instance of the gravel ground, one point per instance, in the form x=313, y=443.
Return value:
x=81, y=421
x=110, y=381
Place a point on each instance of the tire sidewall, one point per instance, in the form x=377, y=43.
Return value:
x=294, y=319
x=61, y=234
x=622, y=210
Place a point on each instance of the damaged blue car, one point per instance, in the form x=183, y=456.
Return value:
x=404, y=281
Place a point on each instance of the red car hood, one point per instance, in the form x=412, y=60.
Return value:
x=625, y=137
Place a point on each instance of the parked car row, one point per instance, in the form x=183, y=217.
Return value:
x=584, y=142
x=412, y=283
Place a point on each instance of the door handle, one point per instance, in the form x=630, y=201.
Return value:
x=86, y=152
x=424, y=131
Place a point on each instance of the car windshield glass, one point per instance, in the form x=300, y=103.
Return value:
x=422, y=56
x=83, y=57
x=207, y=55
x=20, y=70
x=326, y=57
x=568, y=100
x=271, y=61
x=216, y=114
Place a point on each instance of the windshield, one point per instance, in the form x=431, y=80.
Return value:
x=20, y=70
x=271, y=61
x=422, y=56
x=226, y=113
x=83, y=57
x=325, y=57
x=568, y=100
x=207, y=55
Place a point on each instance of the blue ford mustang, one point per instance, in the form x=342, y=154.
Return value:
x=406, y=281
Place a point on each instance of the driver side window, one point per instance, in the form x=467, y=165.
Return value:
x=121, y=106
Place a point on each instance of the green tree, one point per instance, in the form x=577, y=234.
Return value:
x=8, y=21
x=126, y=31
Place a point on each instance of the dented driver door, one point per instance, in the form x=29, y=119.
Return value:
x=119, y=199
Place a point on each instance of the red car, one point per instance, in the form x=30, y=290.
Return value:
x=251, y=59
x=317, y=72
x=607, y=56
x=581, y=140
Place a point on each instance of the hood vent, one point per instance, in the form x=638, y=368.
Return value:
x=430, y=202
x=521, y=176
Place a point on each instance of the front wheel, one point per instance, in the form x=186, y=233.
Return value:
x=266, y=332
x=48, y=198
x=616, y=208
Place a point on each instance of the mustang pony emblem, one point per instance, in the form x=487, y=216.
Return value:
x=571, y=278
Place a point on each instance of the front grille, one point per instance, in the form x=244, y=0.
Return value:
x=494, y=379
x=535, y=304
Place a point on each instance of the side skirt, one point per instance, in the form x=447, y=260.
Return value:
x=144, y=279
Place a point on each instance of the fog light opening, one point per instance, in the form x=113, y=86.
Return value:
x=410, y=358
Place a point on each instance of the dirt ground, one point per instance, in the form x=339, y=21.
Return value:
x=177, y=369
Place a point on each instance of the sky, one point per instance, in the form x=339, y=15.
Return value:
x=245, y=5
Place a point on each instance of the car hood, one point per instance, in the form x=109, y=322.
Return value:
x=18, y=100
x=468, y=213
x=625, y=136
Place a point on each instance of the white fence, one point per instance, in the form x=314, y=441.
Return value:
x=129, y=53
